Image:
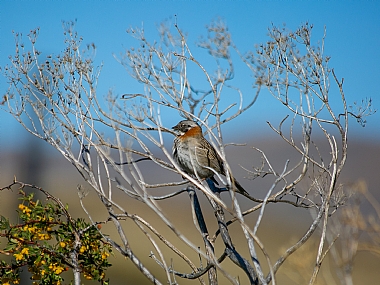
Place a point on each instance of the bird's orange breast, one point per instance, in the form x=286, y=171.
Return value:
x=193, y=132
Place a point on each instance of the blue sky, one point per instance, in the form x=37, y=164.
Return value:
x=353, y=39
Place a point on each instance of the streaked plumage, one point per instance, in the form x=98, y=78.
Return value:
x=194, y=153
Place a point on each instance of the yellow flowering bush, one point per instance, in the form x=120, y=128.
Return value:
x=45, y=240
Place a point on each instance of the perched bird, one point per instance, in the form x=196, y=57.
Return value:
x=195, y=155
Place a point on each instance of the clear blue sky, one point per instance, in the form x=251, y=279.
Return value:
x=353, y=38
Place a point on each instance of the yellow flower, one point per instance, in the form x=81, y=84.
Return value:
x=25, y=250
x=44, y=236
x=24, y=209
x=42, y=272
x=58, y=270
x=105, y=255
x=32, y=229
x=62, y=244
x=82, y=249
x=6, y=283
x=18, y=256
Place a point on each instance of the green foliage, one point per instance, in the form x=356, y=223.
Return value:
x=47, y=241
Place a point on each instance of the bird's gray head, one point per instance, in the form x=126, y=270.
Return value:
x=183, y=126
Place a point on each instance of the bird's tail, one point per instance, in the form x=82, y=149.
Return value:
x=239, y=188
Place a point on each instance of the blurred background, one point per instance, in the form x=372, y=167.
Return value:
x=352, y=41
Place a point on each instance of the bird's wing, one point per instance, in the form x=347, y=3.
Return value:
x=209, y=157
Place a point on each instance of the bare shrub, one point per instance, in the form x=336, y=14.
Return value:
x=56, y=100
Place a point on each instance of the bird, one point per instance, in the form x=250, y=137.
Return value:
x=196, y=156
